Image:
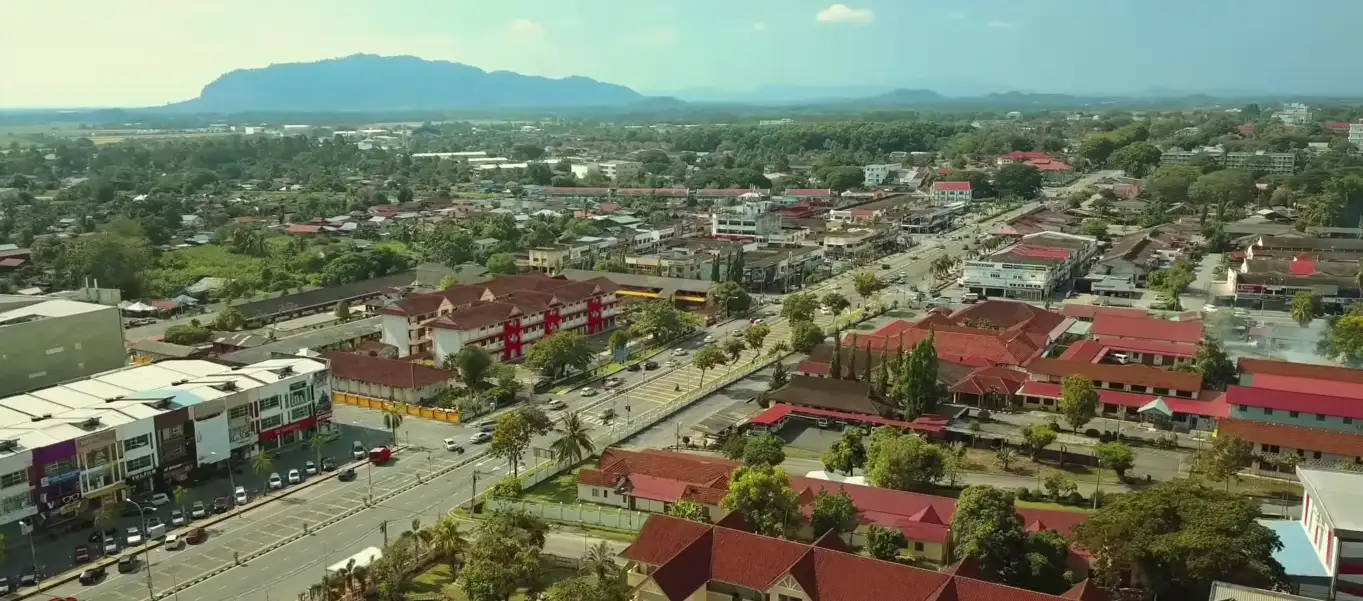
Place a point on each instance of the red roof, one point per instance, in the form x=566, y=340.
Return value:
x=1340, y=126
x=1303, y=402
x=1019, y=155
x=1291, y=438
x=1040, y=252
x=727, y=192
x=1319, y=379
x=926, y=424
x=1302, y=266
x=296, y=228
x=607, y=207
x=671, y=192
x=1088, y=312
x=696, y=554
x=659, y=475
x=1157, y=347
x=567, y=191
x=1131, y=399
x=951, y=186
x=1139, y=375
x=1088, y=351
x=394, y=373
x=1048, y=165
x=1146, y=329
x=12, y=262
x=990, y=379
x=808, y=192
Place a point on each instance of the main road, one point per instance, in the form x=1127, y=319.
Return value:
x=420, y=484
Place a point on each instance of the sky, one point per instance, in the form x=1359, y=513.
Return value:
x=101, y=53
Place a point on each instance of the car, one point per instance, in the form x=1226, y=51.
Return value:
x=358, y=450
x=380, y=455
x=754, y=321
x=82, y=554
x=221, y=504
x=452, y=445
x=295, y=477
x=198, y=510
x=196, y=536
x=177, y=518
x=328, y=464
x=588, y=392
x=127, y=564
x=487, y=425
x=613, y=382
x=173, y=541
x=650, y=365
x=736, y=333
x=29, y=576
x=884, y=265
x=480, y=438
x=709, y=339
x=347, y=475
x=310, y=468
x=239, y=496
x=110, y=545
x=6, y=585
x=92, y=575
x=633, y=367
x=670, y=364
x=1209, y=308
x=556, y=405
x=95, y=537
x=541, y=385
x=160, y=499
x=152, y=522
x=678, y=352
x=275, y=482
x=134, y=536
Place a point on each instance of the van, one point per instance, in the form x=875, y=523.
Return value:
x=970, y=298
x=155, y=531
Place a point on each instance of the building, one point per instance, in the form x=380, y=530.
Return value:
x=386, y=379
x=1022, y=157
x=1272, y=283
x=679, y=262
x=1311, y=411
x=1294, y=113
x=857, y=245
x=619, y=171
x=1356, y=134
x=878, y=174
x=1109, y=327
x=946, y=193
x=1130, y=392
x=683, y=293
x=779, y=268
x=748, y=221
x=310, y=302
x=1269, y=162
x=504, y=315
x=44, y=341
x=1033, y=268
x=68, y=449
x=1332, y=521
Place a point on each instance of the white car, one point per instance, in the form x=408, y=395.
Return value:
x=199, y=510
x=173, y=541
x=480, y=438
x=310, y=468
x=556, y=405
x=160, y=499
x=295, y=477
x=679, y=352
x=670, y=363
x=276, y=482
x=709, y=338
x=1209, y=308
x=613, y=382
x=451, y=445
x=134, y=537
x=588, y=392
x=239, y=495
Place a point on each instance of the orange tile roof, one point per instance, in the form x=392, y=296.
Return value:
x=395, y=373
x=1121, y=326
x=1301, y=370
x=1140, y=375
x=1293, y=437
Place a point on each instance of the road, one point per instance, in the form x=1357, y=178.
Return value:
x=279, y=574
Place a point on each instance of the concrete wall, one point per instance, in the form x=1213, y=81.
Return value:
x=49, y=351
x=1300, y=419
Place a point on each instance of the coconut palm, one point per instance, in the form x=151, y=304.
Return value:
x=1005, y=457
x=106, y=516
x=447, y=541
x=392, y=418
x=181, y=495
x=317, y=443
x=261, y=464
x=574, y=442
x=599, y=561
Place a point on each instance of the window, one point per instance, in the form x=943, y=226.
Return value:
x=596, y=493
x=271, y=422
x=172, y=433
x=14, y=502
x=136, y=442
x=1268, y=411
x=917, y=546
x=300, y=413
x=14, y=479
x=239, y=412
x=1320, y=417
x=1315, y=455
x=1292, y=414
x=139, y=464
x=269, y=403
x=300, y=397
x=59, y=467
x=1348, y=420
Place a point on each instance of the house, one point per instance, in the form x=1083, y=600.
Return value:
x=1133, y=392
x=1022, y=157
x=386, y=379
x=311, y=302
x=945, y=193
x=1110, y=326
x=297, y=229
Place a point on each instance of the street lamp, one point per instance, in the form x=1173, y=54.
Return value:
x=146, y=545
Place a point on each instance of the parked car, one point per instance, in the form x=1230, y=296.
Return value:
x=127, y=564
x=275, y=482
x=310, y=468
x=239, y=496
x=358, y=450
x=295, y=477
x=160, y=499
x=196, y=536
x=633, y=367
x=557, y=405
x=134, y=536
x=82, y=554
x=480, y=438
x=452, y=445
x=221, y=504
x=7, y=585
x=29, y=576
x=487, y=425
x=177, y=518
x=328, y=464
x=347, y=475
x=152, y=522
x=92, y=575
x=110, y=545
x=198, y=510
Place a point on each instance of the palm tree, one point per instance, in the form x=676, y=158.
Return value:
x=392, y=418
x=106, y=516
x=261, y=464
x=317, y=443
x=447, y=541
x=780, y=348
x=574, y=442
x=599, y=561
x=1004, y=457
x=181, y=495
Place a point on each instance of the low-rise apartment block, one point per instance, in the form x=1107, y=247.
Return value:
x=1270, y=162
x=1311, y=411
x=945, y=193
x=44, y=341
x=1033, y=268
x=747, y=221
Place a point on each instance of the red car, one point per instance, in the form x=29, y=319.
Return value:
x=380, y=455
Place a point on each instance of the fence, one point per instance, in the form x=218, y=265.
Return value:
x=590, y=515
x=431, y=413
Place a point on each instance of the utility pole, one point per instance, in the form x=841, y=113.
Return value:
x=383, y=527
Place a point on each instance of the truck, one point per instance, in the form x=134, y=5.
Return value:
x=380, y=455
x=362, y=559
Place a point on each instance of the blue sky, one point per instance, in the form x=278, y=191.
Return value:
x=146, y=52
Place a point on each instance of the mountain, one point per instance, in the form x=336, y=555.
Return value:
x=365, y=82
x=906, y=97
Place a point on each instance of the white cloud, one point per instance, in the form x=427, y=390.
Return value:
x=655, y=37
x=759, y=26
x=841, y=13
x=525, y=30
x=1001, y=25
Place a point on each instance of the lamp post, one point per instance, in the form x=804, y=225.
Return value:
x=146, y=545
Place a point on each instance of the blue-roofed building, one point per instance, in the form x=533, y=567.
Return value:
x=1304, y=569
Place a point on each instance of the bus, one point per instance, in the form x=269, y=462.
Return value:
x=360, y=560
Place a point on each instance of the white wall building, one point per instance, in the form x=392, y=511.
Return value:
x=1033, y=268
x=1356, y=133
x=877, y=174
x=1294, y=113
x=621, y=170
x=748, y=220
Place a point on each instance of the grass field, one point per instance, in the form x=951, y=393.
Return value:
x=560, y=489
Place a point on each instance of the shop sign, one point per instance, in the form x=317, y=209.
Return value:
x=63, y=501
x=59, y=478
x=298, y=386
x=288, y=429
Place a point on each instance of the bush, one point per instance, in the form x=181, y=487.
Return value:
x=1099, y=498
x=1024, y=494
x=1074, y=498
x=1093, y=433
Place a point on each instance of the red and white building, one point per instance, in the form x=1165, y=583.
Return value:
x=944, y=193
x=1022, y=157
x=505, y=315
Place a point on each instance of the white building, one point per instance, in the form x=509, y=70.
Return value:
x=1031, y=269
x=750, y=220
x=1294, y=113
x=877, y=174
x=1332, y=520
x=1356, y=134
x=621, y=170
x=44, y=341
x=582, y=170
x=466, y=155
x=945, y=193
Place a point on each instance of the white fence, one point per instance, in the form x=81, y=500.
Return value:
x=590, y=515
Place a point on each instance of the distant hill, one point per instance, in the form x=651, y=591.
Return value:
x=365, y=82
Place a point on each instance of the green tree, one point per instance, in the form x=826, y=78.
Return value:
x=804, y=336
x=262, y=464
x=1181, y=537
x=574, y=441
x=1222, y=192
x=707, y=358
x=986, y=527
x=1018, y=180
x=847, y=454
x=1304, y=308
x=1059, y=485
x=1225, y=458
x=1038, y=436
x=1097, y=148
x=835, y=302
x=844, y=178
x=1078, y=401
x=447, y=541
x=884, y=543
x=734, y=446
x=687, y=509
x=342, y=311
x=505, y=556
x=764, y=450
x=619, y=340
x=1346, y=339
x=662, y=322
x=392, y=419
x=799, y=307
x=866, y=284
x=731, y=298
x=473, y=363
x=1170, y=183
x=1136, y=159
x=502, y=264
x=512, y=437
x=186, y=334
x=905, y=463
x=756, y=337
x=779, y=376
x=1211, y=362
x=1115, y=456
x=180, y=494
x=556, y=353
x=835, y=370
x=762, y=495
x=734, y=347
x=229, y=320
x=833, y=513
